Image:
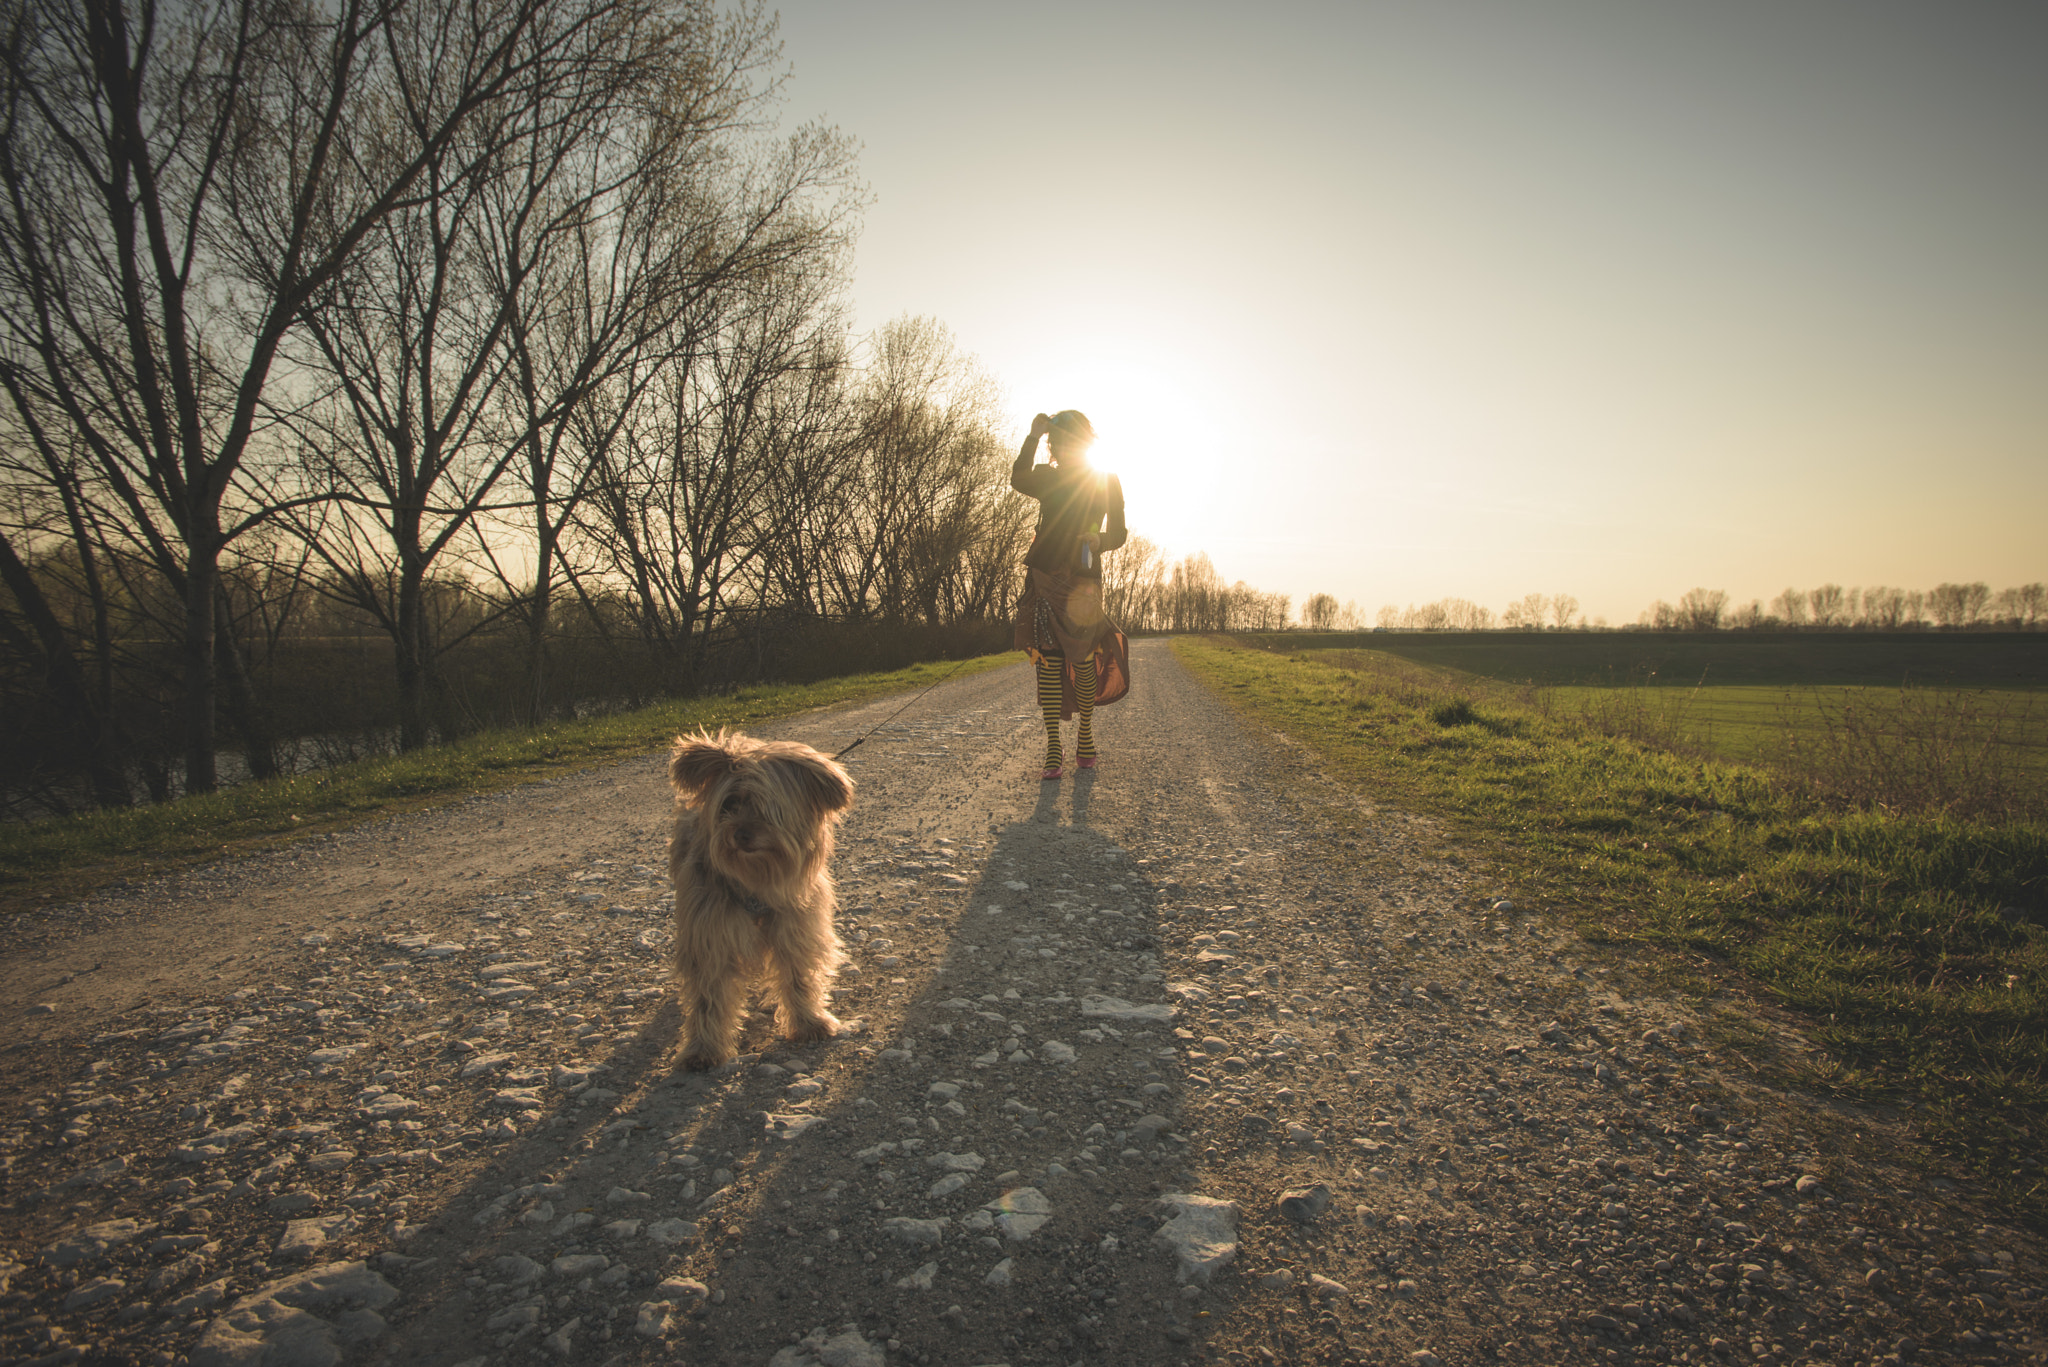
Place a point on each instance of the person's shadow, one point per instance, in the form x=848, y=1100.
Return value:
x=1047, y=809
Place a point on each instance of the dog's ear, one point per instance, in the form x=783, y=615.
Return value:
x=819, y=781
x=697, y=762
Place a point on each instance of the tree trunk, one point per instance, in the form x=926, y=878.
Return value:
x=539, y=619
x=259, y=745
x=537, y=679
x=109, y=783
x=202, y=577
x=85, y=717
x=412, y=663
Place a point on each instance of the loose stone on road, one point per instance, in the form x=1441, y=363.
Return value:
x=1195, y=1056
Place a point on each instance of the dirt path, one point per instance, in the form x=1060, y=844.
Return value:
x=405, y=1095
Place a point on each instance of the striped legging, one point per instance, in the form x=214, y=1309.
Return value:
x=1050, y=669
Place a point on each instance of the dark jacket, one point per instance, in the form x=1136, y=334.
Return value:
x=1072, y=501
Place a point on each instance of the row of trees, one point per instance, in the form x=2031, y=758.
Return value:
x=1954, y=607
x=1322, y=612
x=459, y=324
x=1829, y=607
x=1142, y=591
x=1532, y=612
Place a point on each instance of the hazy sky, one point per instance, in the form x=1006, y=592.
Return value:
x=1405, y=301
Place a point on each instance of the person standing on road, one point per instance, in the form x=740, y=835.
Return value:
x=1083, y=660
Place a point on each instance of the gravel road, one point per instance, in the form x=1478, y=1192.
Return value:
x=1200, y=1057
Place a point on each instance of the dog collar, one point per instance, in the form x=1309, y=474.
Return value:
x=755, y=908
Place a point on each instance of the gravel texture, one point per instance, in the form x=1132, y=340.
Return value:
x=1198, y=1057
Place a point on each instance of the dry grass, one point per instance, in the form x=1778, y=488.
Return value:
x=1919, y=749
x=1905, y=916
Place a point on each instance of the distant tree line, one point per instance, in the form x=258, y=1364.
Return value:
x=1951, y=607
x=1830, y=607
x=1532, y=612
x=1143, y=592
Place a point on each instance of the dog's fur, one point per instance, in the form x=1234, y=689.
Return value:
x=749, y=856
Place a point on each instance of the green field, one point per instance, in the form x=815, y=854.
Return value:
x=1957, y=721
x=2009, y=727
x=1973, y=659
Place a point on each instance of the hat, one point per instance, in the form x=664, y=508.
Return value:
x=1074, y=423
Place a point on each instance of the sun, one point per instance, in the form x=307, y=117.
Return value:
x=1142, y=415
x=1160, y=428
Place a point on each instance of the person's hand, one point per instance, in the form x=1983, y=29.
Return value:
x=1040, y=425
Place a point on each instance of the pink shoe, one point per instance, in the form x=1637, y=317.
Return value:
x=1052, y=772
x=1087, y=762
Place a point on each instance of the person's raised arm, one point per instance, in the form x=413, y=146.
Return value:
x=1020, y=471
x=1115, y=534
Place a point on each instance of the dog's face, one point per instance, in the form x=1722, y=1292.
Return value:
x=764, y=809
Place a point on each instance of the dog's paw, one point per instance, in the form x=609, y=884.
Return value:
x=812, y=1031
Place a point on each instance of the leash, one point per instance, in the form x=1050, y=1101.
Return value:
x=899, y=711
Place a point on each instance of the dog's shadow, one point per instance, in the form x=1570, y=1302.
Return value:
x=793, y=1211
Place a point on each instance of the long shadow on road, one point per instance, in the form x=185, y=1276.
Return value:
x=971, y=1177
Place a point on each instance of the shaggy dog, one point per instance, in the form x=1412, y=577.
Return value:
x=748, y=856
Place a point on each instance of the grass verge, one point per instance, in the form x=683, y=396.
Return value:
x=60, y=860
x=1913, y=943
x=1981, y=751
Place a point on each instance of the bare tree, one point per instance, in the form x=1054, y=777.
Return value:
x=1133, y=581
x=1563, y=607
x=679, y=503
x=672, y=206
x=413, y=351
x=181, y=183
x=1829, y=605
x=1319, y=612
x=1526, y=613
x=2029, y=604
x=1445, y=614
x=1196, y=595
x=1884, y=608
x=811, y=487
x=923, y=456
x=39, y=637
x=1976, y=598
x=991, y=570
x=75, y=669
x=1789, y=607
x=1701, y=609
x=1956, y=605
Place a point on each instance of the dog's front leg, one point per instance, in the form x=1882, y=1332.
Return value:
x=798, y=985
x=712, y=972
x=714, y=995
